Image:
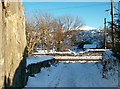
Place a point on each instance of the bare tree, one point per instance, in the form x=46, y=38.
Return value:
x=32, y=37
x=70, y=22
x=44, y=25
x=49, y=31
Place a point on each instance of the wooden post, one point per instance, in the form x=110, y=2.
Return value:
x=105, y=33
x=112, y=19
x=118, y=45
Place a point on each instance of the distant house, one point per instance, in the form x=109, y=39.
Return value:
x=86, y=28
x=89, y=46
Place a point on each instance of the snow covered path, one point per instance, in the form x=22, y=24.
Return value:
x=72, y=75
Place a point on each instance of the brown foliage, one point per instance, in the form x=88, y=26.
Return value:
x=49, y=31
x=59, y=37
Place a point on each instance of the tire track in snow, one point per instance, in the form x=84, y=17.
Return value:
x=59, y=81
x=57, y=75
x=70, y=75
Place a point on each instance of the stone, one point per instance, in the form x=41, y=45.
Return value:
x=12, y=44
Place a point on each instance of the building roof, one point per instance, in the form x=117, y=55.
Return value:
x=88, y=46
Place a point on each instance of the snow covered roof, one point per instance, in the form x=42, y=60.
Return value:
x=87, y=28
x=88, y=46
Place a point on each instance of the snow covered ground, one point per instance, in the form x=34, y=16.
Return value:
x=88, y=74
x=74, y=74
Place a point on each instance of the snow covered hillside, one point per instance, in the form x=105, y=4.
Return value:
x=91, y=35
x=84, y=35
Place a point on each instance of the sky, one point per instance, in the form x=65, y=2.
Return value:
x=91, y=13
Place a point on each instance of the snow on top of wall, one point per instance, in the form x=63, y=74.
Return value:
x=78, y=57
x=36, y=59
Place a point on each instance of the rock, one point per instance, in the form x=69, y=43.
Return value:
x=12, y=44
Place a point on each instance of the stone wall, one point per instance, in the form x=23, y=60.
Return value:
x=12, y=44
x=35, y=68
